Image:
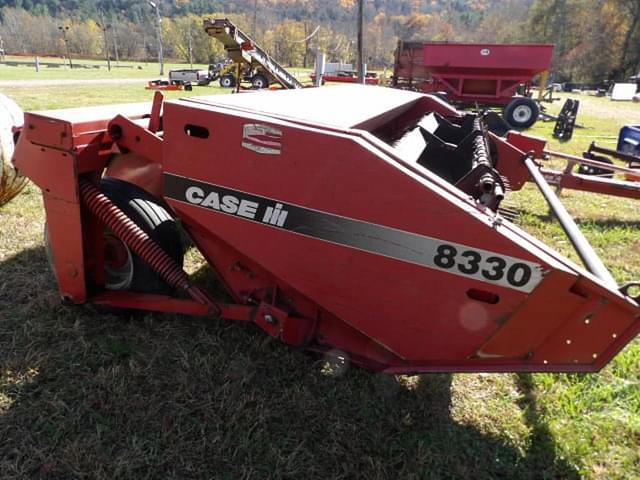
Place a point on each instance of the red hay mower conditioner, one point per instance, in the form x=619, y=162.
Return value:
x=375, y=232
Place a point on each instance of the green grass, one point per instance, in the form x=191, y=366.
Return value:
x=84, y=394
x=595, y=419
x=128, y=70
x=142, y=70
x=45, y=98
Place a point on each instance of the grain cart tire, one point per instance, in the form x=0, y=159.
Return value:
x=521, y=112
x=259, y=81
x=124, y=269
x=11, y=182
x=227, y=81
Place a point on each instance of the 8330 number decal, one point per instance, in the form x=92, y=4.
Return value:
x=492, y=268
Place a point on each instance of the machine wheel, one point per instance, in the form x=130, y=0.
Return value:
x=227, y=81
x=259, y=81
x=521, y=112
x=601, y=172
x=124, y=270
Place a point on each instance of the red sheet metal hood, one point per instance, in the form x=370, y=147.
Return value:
x=345, y=106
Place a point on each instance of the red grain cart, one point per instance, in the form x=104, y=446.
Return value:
x=469, y=74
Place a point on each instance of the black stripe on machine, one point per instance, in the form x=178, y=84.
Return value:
x=445, y=255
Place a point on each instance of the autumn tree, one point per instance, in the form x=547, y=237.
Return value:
x=502, y=23
x=425, y=27
x=629, y=59
x=594, y=38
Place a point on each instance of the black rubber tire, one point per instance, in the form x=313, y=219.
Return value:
x=152, y=217
x=521, y=112
x=228, y=81
x=600, y=172
x=259, y=81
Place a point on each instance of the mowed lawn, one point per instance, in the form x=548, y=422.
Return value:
x=83, y=69
x=91, y=395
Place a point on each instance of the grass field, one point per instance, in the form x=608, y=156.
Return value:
x=88, y=395
x=128, y=70
x=123, y=69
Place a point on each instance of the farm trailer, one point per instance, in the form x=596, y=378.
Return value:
x=471, y=74
x=375, y=233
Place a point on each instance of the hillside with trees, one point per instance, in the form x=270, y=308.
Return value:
x=595, y=39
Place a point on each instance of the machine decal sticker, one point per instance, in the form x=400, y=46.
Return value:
x=469, y=261
x=455, y=258
x=222, y=200
x=263, y=139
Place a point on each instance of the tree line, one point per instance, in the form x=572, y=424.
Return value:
x=595, y=39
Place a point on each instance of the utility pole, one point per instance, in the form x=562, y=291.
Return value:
x=115, y=39
x=190, y=38
x=360, y=43
x=255, y=18
x=64, y=30
x=155, y=6
x=190, y=47
x=104, y=27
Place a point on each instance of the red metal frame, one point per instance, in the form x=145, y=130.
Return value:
x=567, y=178
x=346, y=79
x=358, y=254
x=163, y=85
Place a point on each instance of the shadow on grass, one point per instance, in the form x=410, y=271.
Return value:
x=162, y=396
x=541, y=453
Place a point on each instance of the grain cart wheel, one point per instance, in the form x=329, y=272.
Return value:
x=521, y=112
x=259, y=81
x=124, y=269
x=227, y=81
x=11, y=182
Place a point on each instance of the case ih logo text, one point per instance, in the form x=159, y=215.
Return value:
x=235, y=205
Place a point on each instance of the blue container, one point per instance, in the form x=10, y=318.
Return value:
x=629, y=140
